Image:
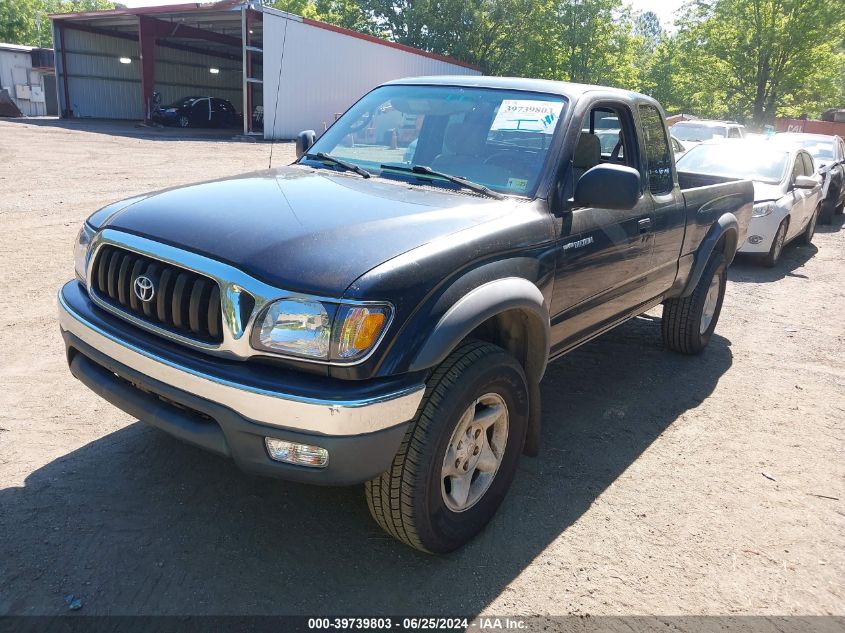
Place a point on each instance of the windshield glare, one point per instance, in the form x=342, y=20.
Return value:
x=819, y=150
x=696, y=132
x=497, y=138
x=761, y=163
x=184, y=102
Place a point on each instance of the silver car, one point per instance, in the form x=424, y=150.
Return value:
x=787, y=193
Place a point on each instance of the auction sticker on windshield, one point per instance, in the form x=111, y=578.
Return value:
x=527, y=115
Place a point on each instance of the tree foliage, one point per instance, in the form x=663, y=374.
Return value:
x=27, y=22
x=748, y=59
x=758, y=56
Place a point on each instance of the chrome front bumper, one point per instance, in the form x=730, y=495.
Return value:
x=330, y=417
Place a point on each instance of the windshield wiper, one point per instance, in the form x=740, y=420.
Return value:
x=458, y=180
x=327, y=158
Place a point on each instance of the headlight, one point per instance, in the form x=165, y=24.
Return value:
x=762, y=209
x=80, y=251
x=321, y=330
x=295, y=326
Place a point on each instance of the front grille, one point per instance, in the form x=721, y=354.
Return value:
x=183, y=301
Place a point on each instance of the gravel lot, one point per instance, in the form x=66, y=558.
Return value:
x=666, y=484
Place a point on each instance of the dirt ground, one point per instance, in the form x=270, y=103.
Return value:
x=666, y=484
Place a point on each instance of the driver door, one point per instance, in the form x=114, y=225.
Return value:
x=603, y=255
x=201, y=112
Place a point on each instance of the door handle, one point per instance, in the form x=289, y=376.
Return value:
x=644, y=225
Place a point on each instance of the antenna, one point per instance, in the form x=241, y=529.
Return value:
x=278, y=86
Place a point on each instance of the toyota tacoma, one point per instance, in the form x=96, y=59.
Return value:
x=382, y=310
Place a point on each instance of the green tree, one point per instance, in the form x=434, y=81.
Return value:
x=27, y=22
x=758, y=56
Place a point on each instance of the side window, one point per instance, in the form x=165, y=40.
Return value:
x=607, y=136
x=658, y=157
x=797, y=168
x=733, y=132
x=809, y=169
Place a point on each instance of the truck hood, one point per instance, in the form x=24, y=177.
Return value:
x=304, y=230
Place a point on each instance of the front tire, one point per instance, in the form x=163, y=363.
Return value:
x=184, y=121
x=688, y=322
x=771, y=258
x=460, y=453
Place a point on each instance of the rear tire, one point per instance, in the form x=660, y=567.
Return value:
x=771, y=258
x=688, y=322
x=448, y=449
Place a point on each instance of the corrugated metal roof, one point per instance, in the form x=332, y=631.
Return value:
x=213, y=12
x=18, y=48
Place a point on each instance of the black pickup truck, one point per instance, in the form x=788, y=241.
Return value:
x=383, y=309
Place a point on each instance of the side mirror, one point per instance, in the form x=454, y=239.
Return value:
x=304, y=141
x=608, y=187
x=805, y=182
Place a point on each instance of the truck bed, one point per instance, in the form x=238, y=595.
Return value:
x=707, y=198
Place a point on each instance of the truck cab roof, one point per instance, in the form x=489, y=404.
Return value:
x=566, y=89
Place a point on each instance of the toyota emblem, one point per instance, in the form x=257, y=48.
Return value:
x=144, y=288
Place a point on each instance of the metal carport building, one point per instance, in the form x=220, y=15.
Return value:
x=285, y=72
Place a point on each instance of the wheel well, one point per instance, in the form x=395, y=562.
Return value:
x=727, y=245
x=520, y=333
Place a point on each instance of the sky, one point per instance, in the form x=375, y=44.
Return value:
x=665, y=9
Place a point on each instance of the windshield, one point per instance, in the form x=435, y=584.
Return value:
x=735, y=160
x=819, y=149
x=698, y=132
x=497, y=138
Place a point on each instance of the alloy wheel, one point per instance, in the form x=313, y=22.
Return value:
x=475, y=452
x=779, y=240
x=710, y=303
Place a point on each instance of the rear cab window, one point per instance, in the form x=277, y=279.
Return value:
x=656, y=145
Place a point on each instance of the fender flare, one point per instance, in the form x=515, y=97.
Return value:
x=478, y=306
x=726, y=226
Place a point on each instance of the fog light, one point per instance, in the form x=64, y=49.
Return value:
x=755, y=239
x=299, y=454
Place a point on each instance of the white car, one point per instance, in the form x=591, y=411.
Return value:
x=678, y=147
x=696, y=131
x=829, y=155
x=787, y=194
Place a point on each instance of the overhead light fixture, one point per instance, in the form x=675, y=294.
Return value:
x=125, y=60
x=214, y=71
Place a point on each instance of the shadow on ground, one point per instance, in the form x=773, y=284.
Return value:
x=748, y=269
x=836, y=224
x=134, y=129
x=138, y=523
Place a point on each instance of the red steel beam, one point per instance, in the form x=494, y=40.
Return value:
x=67, y=113
x=165, y=30
x=248, y=86
x=146, y=49
x=171, y=8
